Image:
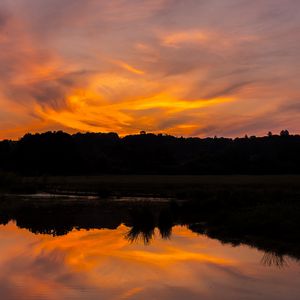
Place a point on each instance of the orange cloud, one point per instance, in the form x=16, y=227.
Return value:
x=129, y=67
x=156, y=65
x=181, y=37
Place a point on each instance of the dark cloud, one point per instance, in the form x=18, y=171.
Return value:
x=290, y=107
x=50, y=93
x=227, y=90
x=3, y=19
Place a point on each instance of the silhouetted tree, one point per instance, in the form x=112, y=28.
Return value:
x=284, y=133
x=59, y=153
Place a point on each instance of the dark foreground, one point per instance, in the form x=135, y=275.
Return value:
x=263, y=212
x=176, y=186
x=150, y=237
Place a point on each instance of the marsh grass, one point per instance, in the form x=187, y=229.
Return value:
x=180, y=187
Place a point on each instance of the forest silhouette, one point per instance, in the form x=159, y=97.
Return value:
x=60, y=153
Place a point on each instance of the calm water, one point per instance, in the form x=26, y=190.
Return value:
x=104, y=264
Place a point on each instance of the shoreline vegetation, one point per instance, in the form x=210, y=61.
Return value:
x=240, y=191
x=176, y=186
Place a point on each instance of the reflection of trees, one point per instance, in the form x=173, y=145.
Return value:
x=135, y=234
x=165, y=224
x=270, y=259
x=144, y=222
x=143, y=225
x=59, y=218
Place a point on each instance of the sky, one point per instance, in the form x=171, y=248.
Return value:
x=182, y=67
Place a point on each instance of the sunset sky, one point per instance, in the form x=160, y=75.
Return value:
x=184, y=67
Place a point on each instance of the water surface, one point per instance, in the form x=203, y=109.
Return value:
x=110, y=264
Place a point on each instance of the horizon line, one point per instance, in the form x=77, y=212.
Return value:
x=283, y=132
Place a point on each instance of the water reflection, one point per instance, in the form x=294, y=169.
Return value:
x=101, y=264
x=274, y=259
x=124, y=250
x=59, y=217
x=143, y=223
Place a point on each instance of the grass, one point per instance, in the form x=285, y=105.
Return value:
x=157, y=185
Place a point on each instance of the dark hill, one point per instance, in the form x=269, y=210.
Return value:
x=59, y=153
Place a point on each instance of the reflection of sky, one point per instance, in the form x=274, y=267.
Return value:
x=101, y=264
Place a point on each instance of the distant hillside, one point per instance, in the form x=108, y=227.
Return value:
x=59, y=153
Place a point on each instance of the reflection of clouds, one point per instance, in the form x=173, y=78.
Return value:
x=101, y=263
x=91, y=66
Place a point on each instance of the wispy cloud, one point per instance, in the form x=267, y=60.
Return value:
x=113, y=65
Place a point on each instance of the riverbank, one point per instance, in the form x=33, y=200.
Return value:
x=183, y=186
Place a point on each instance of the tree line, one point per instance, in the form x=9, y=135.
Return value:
x=60, y=153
